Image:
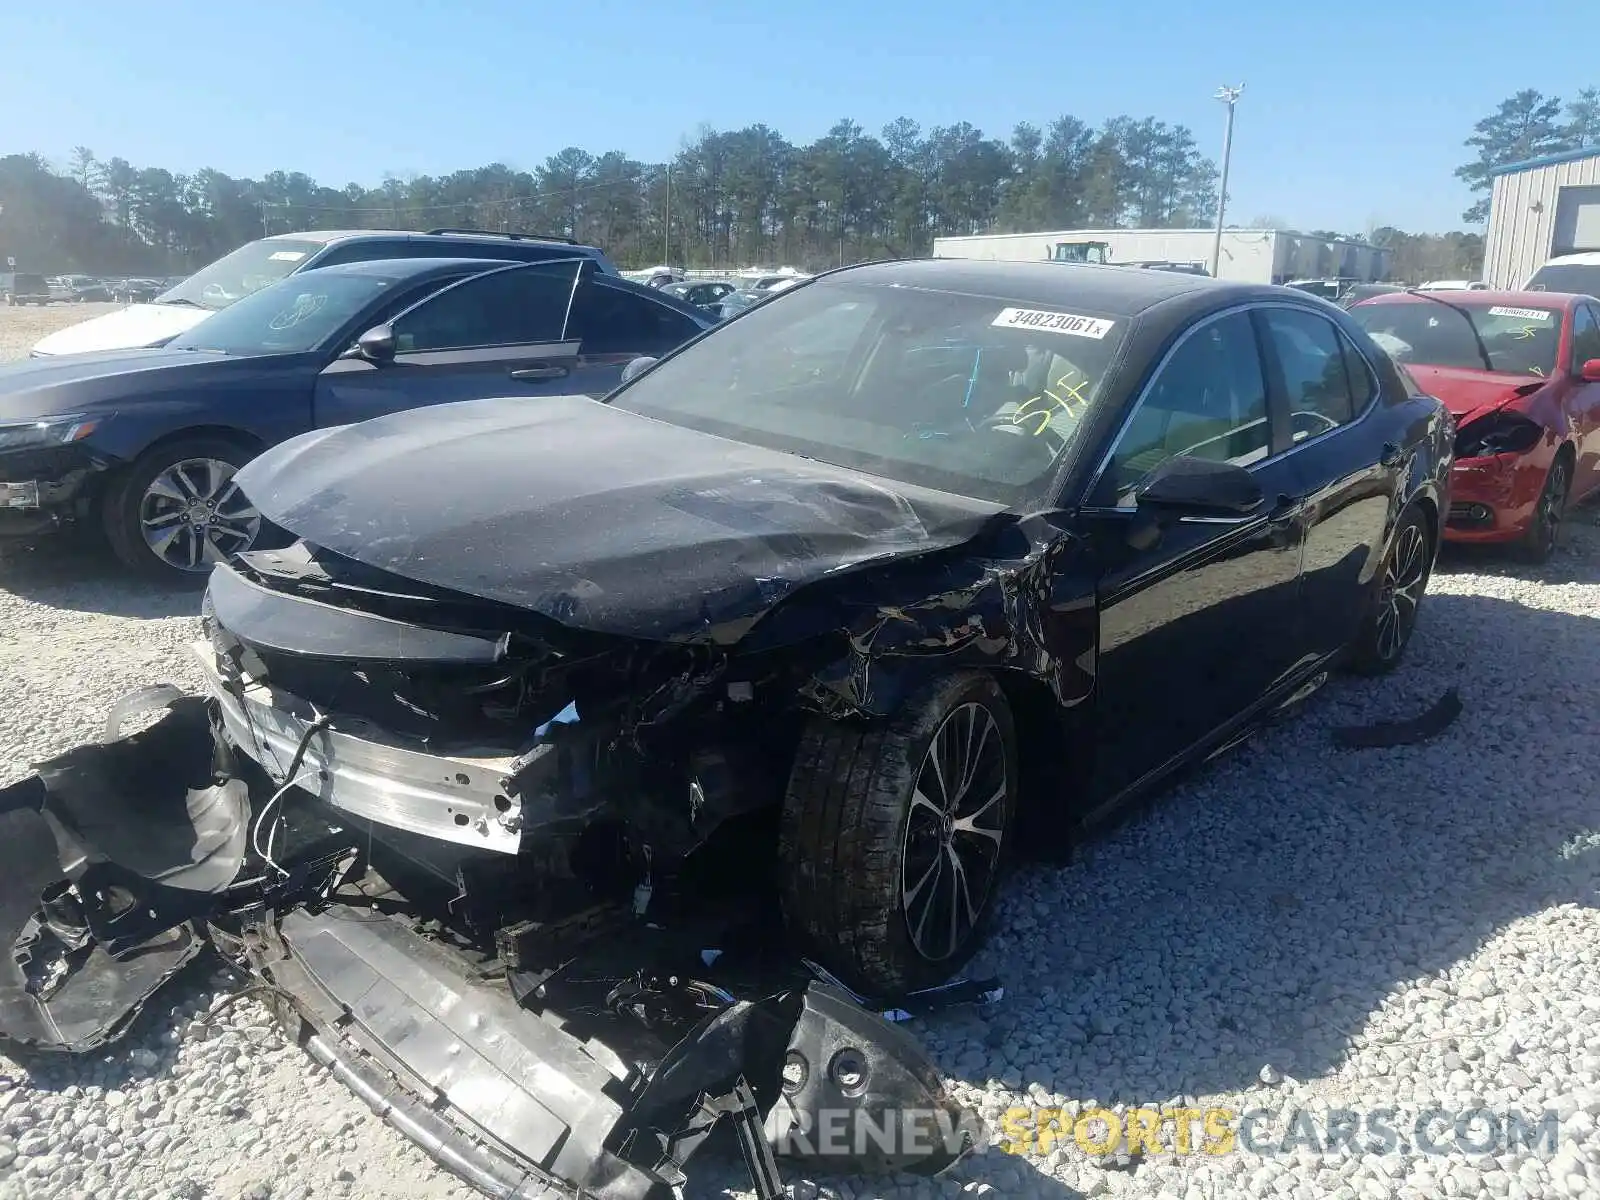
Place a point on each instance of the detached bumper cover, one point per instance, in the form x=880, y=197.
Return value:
x=115, y=854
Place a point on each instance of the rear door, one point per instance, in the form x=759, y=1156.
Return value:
x=495, y=334
x=1344, y=471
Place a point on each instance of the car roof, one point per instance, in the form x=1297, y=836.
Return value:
x=327, y=237
x=1119, y=291
x=1583, y=258
x=1481, y=297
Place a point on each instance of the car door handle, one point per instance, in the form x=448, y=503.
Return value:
x=1390, y=454
x=540, y=373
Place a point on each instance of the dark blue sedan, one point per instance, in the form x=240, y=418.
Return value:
x=145, y=443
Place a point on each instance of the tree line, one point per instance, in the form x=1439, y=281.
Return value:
x=728, y=198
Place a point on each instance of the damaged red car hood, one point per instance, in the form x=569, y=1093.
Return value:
x=1472, y=393
x=596, y=517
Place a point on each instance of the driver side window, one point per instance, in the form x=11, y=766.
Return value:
x=1208, y=401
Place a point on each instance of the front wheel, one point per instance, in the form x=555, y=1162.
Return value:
x=176, y=511
x=1392, y=613
x=894, y=836
x=1544, y=533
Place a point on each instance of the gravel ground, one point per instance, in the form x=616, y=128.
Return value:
x=1296, y=927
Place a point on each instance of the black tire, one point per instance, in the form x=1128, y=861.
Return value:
x=1397, y=595
x=1544, y=534
x=123, y=508
x=849, y=835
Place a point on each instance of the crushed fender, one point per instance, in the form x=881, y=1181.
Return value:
x=589, y=1056
x=1410, y=732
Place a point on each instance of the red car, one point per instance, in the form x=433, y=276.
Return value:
x=1520, y=371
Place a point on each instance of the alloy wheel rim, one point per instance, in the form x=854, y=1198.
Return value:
x=1552, y=504
x=193, y=516
x=1403, y=578
x=954, y=832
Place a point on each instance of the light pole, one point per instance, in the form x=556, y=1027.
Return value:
x=1230, y=97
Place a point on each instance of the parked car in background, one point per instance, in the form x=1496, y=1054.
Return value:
x=702, y=293
x=137, y=291
x=1521, y=373
x=1013, y=540
x=146, y=442
x=1452, y=285
x=91, y=291
x=1571, y=273
x=737, y=301
x=21, y=287
x=263, y=262
x=1357, y=292
x=1165, y=264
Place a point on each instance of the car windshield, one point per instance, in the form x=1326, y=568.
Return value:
x=234, y=276
x=1583, y=279
x=963, y=393
x=291, y=317
x=1511, y=339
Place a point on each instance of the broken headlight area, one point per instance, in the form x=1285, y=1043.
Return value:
x=533, y=1035
x=1498, y=433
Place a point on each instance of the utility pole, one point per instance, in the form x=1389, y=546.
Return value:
x=1230, y=97
x=666, y=224
x=263, y=206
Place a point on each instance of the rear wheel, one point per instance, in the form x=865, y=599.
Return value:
x=894, y=836
x=176, y=511
x=1543, y=535
x=1392, y=614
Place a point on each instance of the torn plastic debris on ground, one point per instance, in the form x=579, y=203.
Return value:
x=593, y=1059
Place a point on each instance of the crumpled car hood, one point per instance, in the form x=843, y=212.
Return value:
x=593, y=516
x=1470, y=394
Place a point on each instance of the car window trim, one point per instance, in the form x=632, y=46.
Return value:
x=1249, y=308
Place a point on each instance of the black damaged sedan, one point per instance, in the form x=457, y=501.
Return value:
x=908, y=570
x=927, y=554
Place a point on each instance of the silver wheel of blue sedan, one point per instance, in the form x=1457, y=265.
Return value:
x=193, y=515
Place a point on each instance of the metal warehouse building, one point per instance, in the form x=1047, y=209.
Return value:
x=1249, y=255
x=1538, y=209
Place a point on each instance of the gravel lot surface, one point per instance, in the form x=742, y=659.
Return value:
x=1297, y=927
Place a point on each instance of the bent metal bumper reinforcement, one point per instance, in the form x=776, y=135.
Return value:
x=362, y=771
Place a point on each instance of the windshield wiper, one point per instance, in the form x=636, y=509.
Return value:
x=1483, y=351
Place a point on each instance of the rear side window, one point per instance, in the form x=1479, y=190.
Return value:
x=608, y=320
x=1316, y=379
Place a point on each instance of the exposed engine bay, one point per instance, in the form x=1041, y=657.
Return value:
x=485, y=877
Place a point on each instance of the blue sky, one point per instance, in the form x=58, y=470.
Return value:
x=1352, y=114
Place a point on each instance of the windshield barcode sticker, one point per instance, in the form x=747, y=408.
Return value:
x=287, y=255
x=1055, y=322
x=1525, y=314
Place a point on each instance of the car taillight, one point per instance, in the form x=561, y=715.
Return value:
x=1498, y=433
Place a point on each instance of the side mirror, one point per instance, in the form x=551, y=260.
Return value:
x=377, y=344
x=1186, y=486
x=636, y=367
x=1590, y=371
